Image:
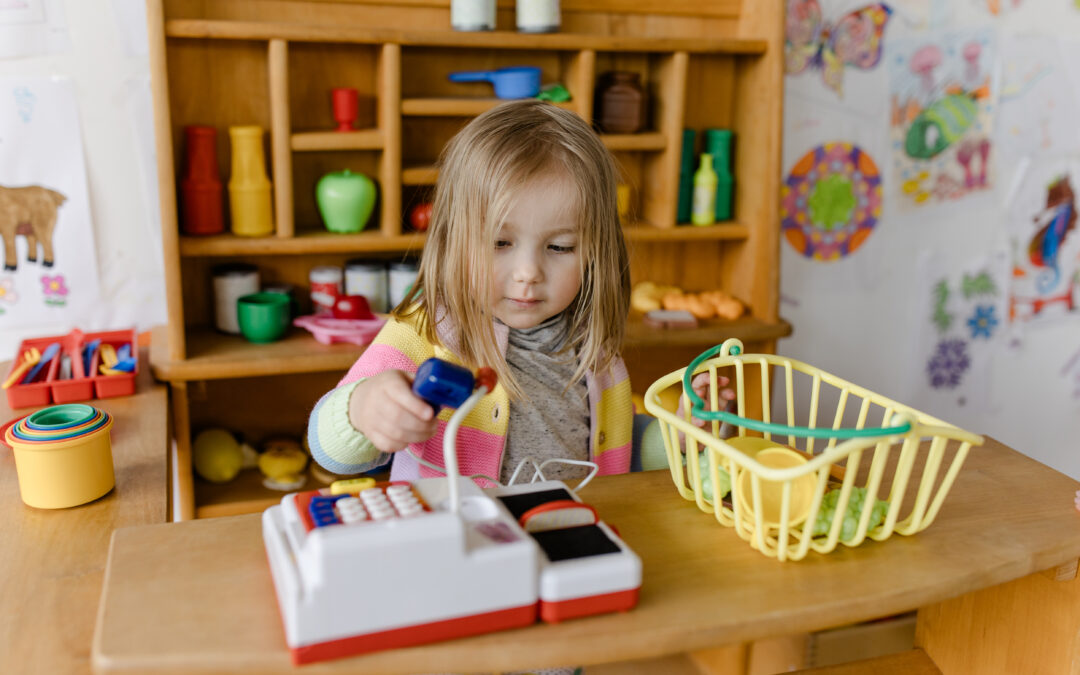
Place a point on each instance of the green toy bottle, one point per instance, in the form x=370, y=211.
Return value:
x=704, y=209
x=718, y=144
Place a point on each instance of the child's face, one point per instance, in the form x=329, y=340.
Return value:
x=537, y=254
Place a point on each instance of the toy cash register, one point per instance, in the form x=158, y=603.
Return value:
x=366, y=566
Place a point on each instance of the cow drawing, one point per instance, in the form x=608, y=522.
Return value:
x=31, y=212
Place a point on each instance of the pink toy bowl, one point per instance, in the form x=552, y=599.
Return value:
x=328, y=331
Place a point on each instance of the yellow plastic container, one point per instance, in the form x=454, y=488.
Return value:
x=778, y=497
x=249, y=188
x=62, y=473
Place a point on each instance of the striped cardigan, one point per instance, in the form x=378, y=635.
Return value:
x=339, y=447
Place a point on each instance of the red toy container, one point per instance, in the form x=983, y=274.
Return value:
x=47, y=388
x=38, y=392
x=107, y=386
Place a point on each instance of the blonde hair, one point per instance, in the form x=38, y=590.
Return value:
x=481, y=171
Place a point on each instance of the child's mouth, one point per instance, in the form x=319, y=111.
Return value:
x=523, y=303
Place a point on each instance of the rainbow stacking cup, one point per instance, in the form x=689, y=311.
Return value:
x=63, y=455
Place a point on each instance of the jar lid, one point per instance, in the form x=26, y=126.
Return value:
x=325, y=273
x=234, y=270
x=404, y=266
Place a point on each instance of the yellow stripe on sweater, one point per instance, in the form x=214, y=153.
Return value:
x=613, y=418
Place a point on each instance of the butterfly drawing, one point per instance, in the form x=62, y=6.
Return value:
x=854, y=40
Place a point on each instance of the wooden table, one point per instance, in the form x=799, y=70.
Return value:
x=196, y=597
x=53, y=561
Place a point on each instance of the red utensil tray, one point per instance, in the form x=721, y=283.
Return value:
x=48, y=388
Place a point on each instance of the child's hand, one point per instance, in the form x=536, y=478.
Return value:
x=385, y=409
x=700, y=385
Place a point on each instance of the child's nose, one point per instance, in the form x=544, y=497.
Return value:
x=527, y=268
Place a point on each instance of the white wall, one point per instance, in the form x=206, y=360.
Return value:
x=859, y=318
x=108, y=66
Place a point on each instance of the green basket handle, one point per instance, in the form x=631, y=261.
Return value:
x=734, y=347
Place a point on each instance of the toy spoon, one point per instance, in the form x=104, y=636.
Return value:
x=46, y=356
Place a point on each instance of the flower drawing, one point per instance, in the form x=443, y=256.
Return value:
x=8, y=296
x=983, y=322
x=55, y=289
x=948, y=364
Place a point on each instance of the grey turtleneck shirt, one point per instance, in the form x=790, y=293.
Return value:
x=553, y=421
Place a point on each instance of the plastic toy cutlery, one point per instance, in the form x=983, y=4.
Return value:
x=30, y=358
x=46, y=356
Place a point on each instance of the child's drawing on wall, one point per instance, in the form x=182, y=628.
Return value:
x=961, y=317
x=815, y=42
x=49, y=270
x=941, y=99
x=31, y=212
x=1045, y=248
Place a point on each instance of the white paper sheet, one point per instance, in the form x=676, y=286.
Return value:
x=41, y=145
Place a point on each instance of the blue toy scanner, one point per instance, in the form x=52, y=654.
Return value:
x=442, y=383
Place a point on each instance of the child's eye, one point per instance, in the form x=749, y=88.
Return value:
x=556, y=248
x=501, y=243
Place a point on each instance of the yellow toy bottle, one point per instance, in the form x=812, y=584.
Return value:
x=249, y=188
x=705, y=180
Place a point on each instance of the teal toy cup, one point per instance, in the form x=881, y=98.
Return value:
x=263, y=317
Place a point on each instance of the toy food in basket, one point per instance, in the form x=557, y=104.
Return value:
x=866, y=468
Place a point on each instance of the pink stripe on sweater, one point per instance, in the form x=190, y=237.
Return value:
x=478, y=452
x=614, y=460
x=377, y=358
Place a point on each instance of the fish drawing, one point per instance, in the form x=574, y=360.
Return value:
x=942, y=123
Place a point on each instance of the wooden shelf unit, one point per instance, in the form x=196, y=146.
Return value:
x=273, y=64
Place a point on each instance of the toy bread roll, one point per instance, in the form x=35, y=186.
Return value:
x=690, y=302
x=647, y=296
x=726, y=306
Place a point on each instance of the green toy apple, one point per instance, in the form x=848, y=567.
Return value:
x=346, y=200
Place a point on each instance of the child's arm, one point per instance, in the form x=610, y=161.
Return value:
x=355, y=427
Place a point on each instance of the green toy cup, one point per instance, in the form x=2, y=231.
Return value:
x=263, y=317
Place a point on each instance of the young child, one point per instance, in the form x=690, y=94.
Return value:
x=525, y=270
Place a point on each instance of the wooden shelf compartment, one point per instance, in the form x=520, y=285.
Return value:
x=213, y=355
x=419, y=175
x=455, y=107
x=641, y=141
x=686, y=233
x=374, y=241
x=257, y=30
x=362, y=139
x=303, y=242
x=243, y=494
x=709, y=332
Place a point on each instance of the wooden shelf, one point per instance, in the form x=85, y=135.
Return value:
x=709, y=332
x=243, y=494
x=454, y=107
x=372, y=241
x=362, y=139
x=419, y=175
x=256, y=30
x=642, y=141
x=714, y=64
x=375, y=241
x=683, y=233
x=214, y=355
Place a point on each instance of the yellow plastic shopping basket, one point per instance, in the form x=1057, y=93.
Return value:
x=789, y=497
